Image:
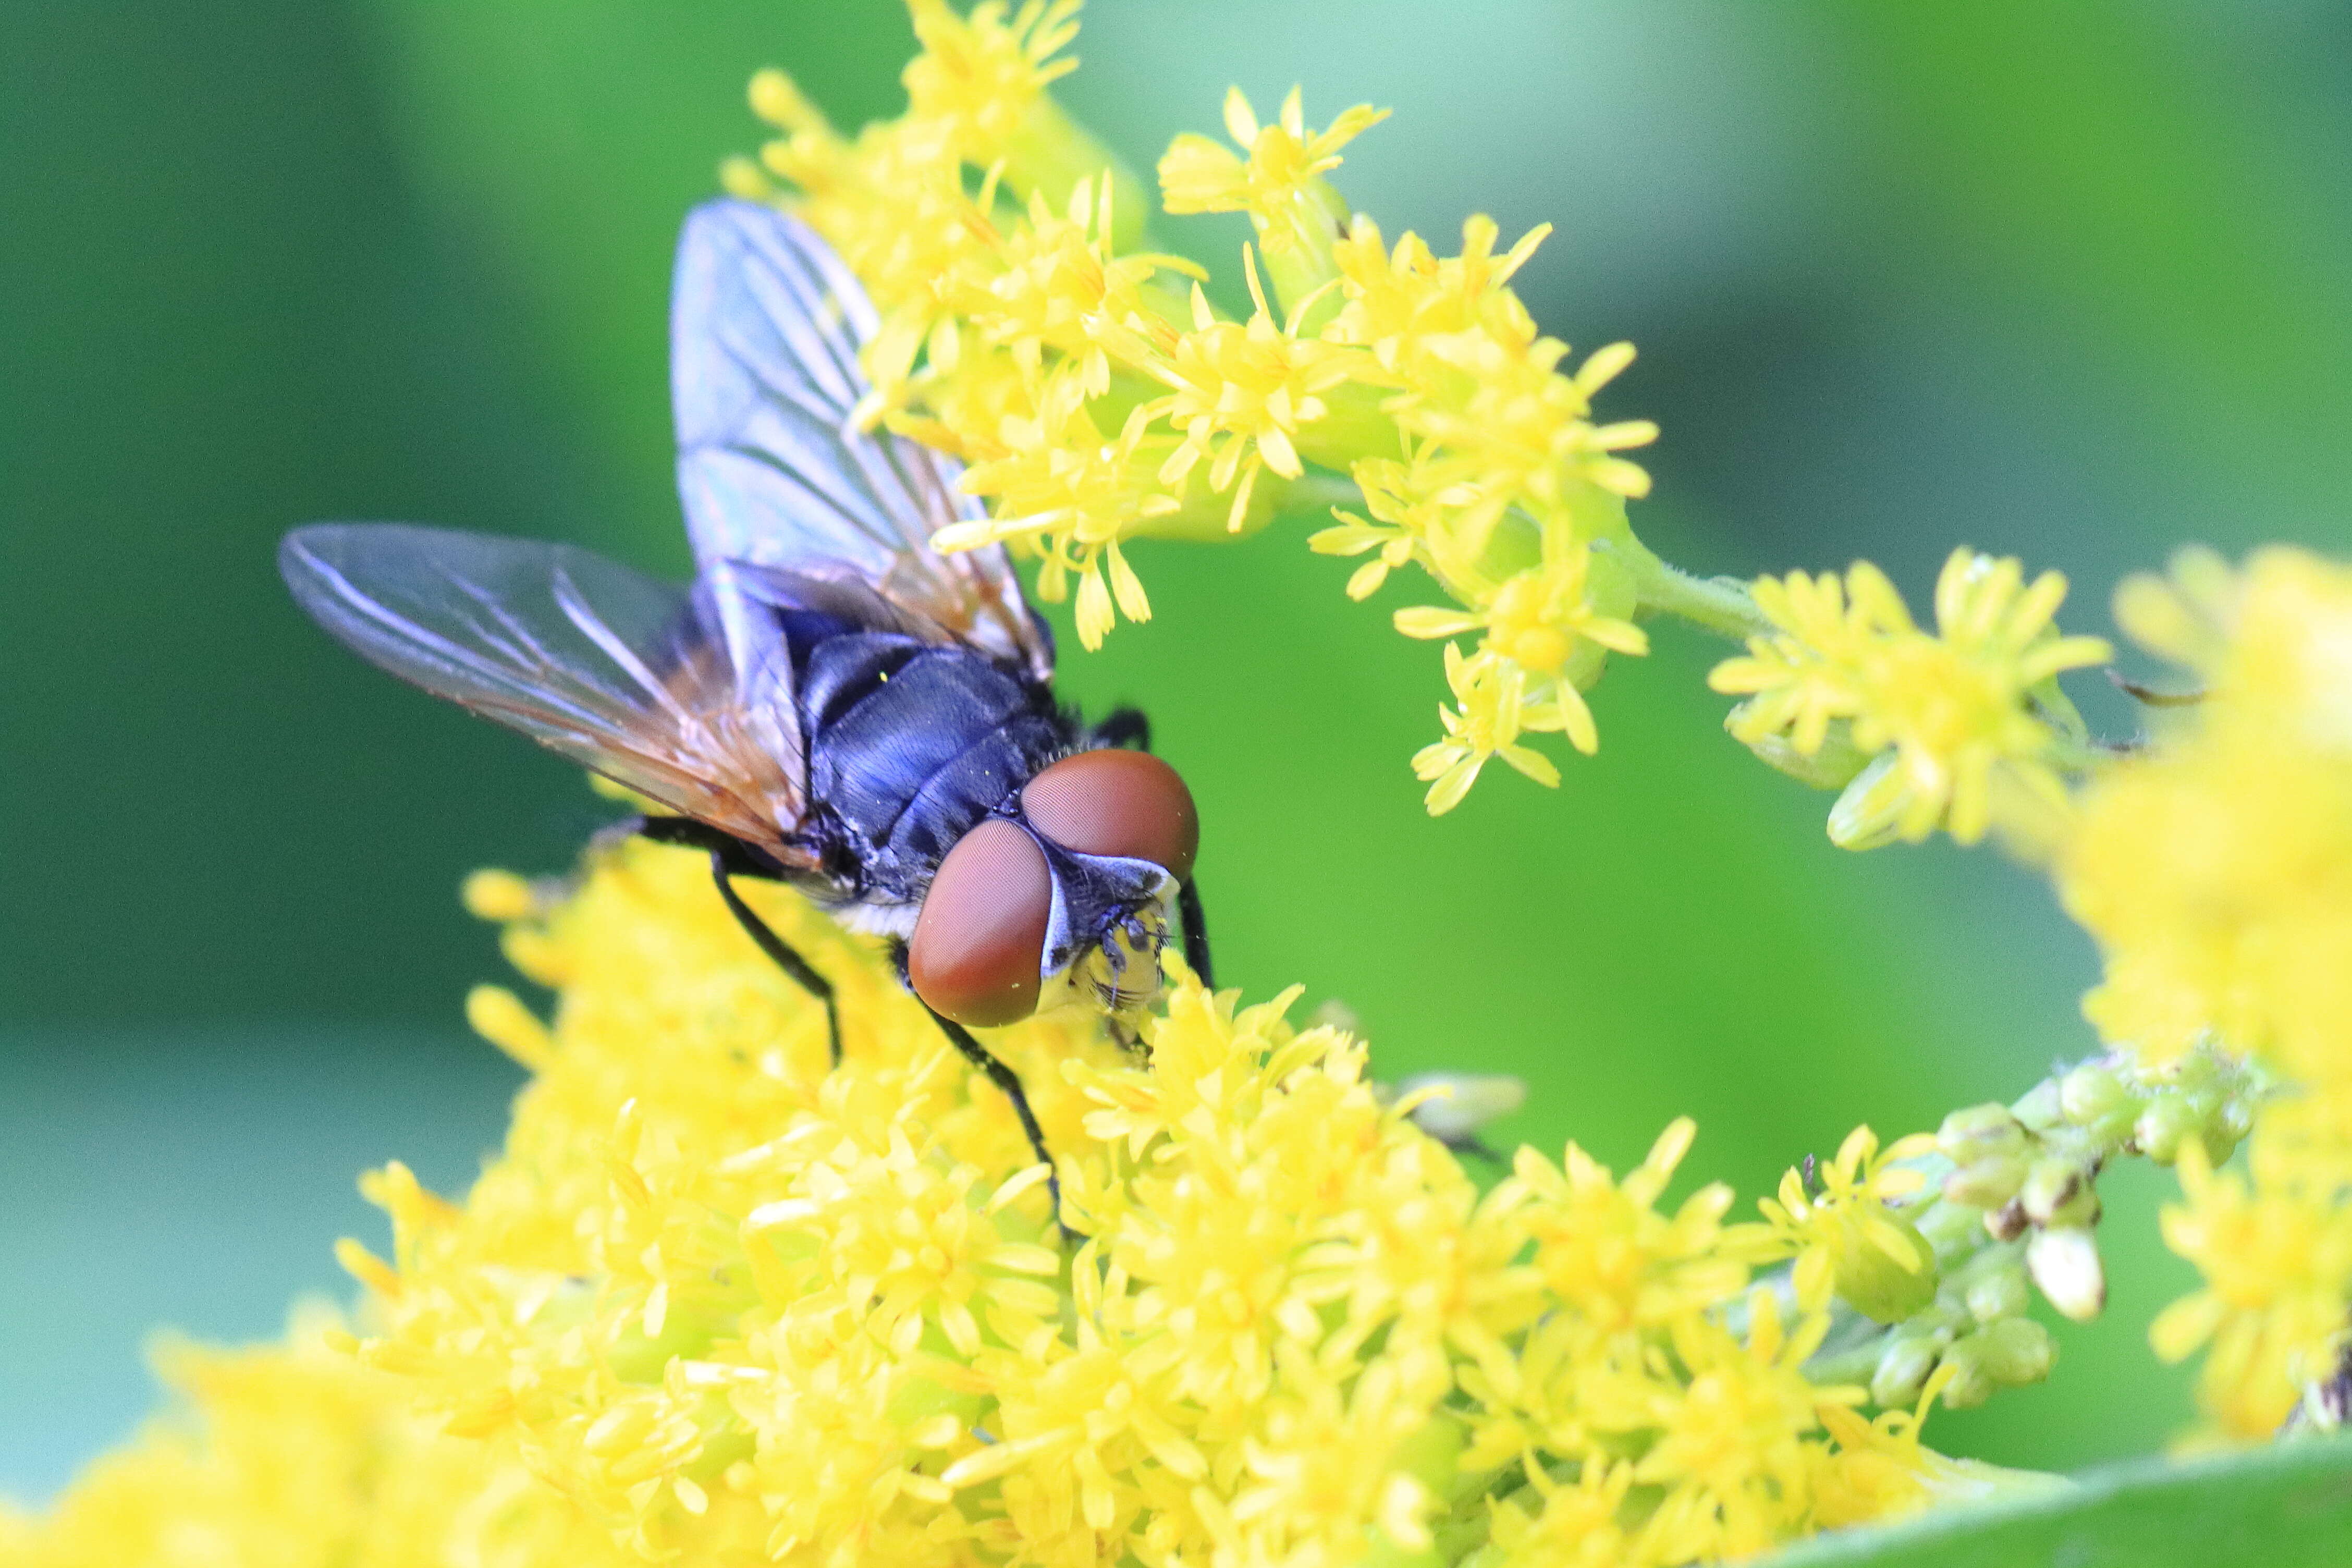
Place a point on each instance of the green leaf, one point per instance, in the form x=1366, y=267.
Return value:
x=2285, y=1507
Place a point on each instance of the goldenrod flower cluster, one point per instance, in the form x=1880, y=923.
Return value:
x=2214, y=865
x=717, y=1302
x=294, y=1456
x=1962, y=729
x=1098, y=395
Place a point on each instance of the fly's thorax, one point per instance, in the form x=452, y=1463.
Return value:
x=910, y=745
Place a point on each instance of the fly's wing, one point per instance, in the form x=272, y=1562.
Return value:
x=620, y=672
x=765, y=326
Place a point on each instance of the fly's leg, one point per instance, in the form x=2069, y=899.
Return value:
x=1124, y=727
x=1196, y=930
x=729, y=857
x=769, y=942
x=1006, y=1080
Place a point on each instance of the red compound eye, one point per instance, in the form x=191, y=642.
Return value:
x=1116, y=803
x=981, y=932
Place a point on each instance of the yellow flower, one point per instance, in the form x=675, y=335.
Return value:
x=1546, y=632
x=2276, y=1255
x=1808, y=676
x=1277, y=177
x=1838, y=1220
x=1731, y=1451
x=1546, y=621
x=1574, y=1525
x=2215, y=866
x=1600, y=1244
x=980, y=76
x=1491, y=712
x=291, y=1453
x=1965, y=728
x=1052, y=474
x=1512, y=425
x=1059, y=286
x=717, y=1299
x=1018, y=339
x=1878, y=1469
x=1398, y=300
x=1241, y=393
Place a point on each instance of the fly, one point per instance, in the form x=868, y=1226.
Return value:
x=831, y=703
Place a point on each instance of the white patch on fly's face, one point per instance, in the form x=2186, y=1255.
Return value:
x=878, y=919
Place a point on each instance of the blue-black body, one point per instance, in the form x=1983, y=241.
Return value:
x=910, y=745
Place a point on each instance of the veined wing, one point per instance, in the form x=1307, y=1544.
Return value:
x=618, y=671
x=765, y=326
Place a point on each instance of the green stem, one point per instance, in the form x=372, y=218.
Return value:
x=1854, y=1367
x=1719, y=604
x=1319, y=493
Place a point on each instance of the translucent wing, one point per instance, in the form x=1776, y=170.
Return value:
x=765, y=326
x=618, y=671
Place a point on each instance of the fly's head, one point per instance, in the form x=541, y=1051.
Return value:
x=1068, y=895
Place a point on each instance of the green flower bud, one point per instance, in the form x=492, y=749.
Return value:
x=2220, y=1142
x=1383, y=1552
x=2039, y=1110
x=1987, y=1183
x=1949, y=1227
x=2058, y=1192
x=1903, y=1368
x=1455, y=1107
x=2161, y=1125
x=2097, y=1099
x=2198, y=1073
x=1999, y=1293
x=1972, y=1382
x=1433, y=1453
x=1879, y=1286
x=2016, y=1350
x=1980, y=1132
x=2237, y=1120
x=1830, y=766
x=1867, y=814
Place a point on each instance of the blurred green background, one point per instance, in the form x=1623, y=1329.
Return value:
x=2064, y=282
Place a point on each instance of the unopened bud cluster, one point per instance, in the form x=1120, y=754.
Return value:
x=2016, y=1208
